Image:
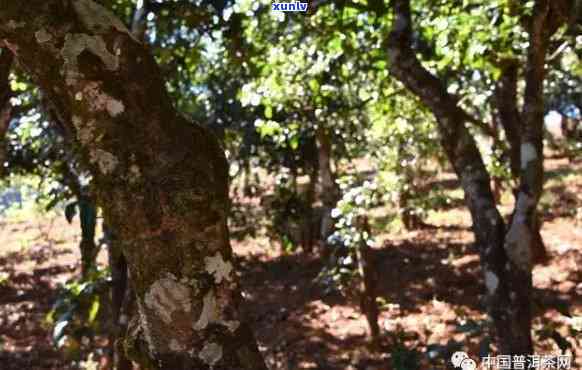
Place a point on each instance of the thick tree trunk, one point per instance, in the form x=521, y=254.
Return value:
x=161, y=180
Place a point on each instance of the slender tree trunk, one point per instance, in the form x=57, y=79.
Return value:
x=505, y=98
x=329, y=191
x=409, y=219
x=5, y=106
x=161, y=180
x=369, y=282
x=510, y=118
x=121, y=295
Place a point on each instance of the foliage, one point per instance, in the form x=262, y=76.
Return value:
x=87, y=216
x=74, y=316
x=358, y=198
x=403, y=357
x=289, y=211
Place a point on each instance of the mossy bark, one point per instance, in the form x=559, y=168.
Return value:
x=160, y=179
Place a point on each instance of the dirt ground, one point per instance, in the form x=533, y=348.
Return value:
x=431, y=290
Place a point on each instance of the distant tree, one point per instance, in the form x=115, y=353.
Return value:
x=160, y=180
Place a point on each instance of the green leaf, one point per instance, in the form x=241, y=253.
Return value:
x=88, y=215
x=294, y=142
x=268, y=112
x=314, y=85
x=70, y=211
x=93, y=310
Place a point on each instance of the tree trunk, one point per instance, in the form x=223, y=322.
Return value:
x=506, y=259
x=5, y=106
x=161, y=180
x=505, y=262
x=510, y=118
x=121, y=297
x=410, y=220
x=505, y=98
x=369, y=281
x=329, y=191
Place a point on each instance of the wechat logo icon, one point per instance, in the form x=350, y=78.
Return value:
x=462, y=361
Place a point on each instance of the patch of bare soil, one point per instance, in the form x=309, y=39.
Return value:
x=431, y=292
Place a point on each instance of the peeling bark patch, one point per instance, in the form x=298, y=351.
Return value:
x=42, y=36
x=528, y=154
x=85, y=132
x=491, y=281
x=218, y=267
x=143, y=324
x=519, y=237
x=106, y=161
x=97, y=18
x=75, y=44
x=100, y=101
x=209, y=312
x=85, y=135
x=114, y=107
x=12, y=24
x=175, y=346
x=210, y=315
x=211, y=353
x=134, y=173
x=167, y=295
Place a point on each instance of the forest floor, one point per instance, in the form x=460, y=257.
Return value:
x=431, y=290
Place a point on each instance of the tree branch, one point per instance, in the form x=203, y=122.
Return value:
x=505, y=98
x=459, y=145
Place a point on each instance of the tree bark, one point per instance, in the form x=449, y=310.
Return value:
x=161, y=180
x=505, y=98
